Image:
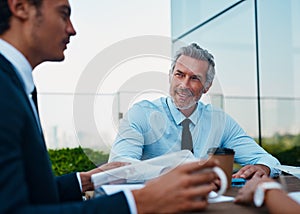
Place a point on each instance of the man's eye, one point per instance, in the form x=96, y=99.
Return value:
x=195, y=78
x=179, y=74
x=65, y=16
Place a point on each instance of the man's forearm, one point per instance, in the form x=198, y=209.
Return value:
x=277, y=201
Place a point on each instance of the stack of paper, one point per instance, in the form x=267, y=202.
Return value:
x=111, y=189
x=127, y=177
x=144, y=170
x=293, y=170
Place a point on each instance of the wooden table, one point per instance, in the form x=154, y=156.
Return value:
x=291, y=183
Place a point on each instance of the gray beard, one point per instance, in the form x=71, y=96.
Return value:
x=191, y=104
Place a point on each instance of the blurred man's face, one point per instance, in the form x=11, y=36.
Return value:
x=50, y=29
x=187, y=81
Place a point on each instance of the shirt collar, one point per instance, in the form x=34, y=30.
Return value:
x=20, y=64
x=178, y=116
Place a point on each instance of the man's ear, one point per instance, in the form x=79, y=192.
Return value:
x=19, y=8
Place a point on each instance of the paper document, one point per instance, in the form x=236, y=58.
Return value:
x=142, y=171
x=111, y=189
x=295, y=196
x=221, y=198
x=293, y=170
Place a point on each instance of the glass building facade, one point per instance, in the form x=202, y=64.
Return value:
x=256, y=45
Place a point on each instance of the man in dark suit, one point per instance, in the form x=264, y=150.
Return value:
x=31, y=32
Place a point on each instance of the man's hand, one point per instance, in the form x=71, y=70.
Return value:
x=250, y=171
x=184, y=188
x=245, y=194
x=86, y=176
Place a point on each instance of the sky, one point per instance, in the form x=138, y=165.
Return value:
x=100, y=24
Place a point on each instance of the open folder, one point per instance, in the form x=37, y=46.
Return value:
x=142, y=171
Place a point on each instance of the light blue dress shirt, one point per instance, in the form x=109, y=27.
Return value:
x=150, y=129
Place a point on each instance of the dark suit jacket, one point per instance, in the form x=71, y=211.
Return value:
x=27, y=184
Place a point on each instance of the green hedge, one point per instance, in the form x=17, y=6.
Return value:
x=284, y=147
x=289, y=157
x=75, y=159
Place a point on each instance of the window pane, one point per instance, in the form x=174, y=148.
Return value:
x=190, y=13
x=233, y=47
x=279, y=45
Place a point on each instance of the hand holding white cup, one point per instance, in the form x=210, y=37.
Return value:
x=223, y=180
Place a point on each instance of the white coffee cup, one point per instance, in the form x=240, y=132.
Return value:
x=223, y=179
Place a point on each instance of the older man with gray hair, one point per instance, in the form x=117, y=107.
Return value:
x=154, y=128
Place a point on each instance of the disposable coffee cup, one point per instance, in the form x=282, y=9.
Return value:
x=225, y=156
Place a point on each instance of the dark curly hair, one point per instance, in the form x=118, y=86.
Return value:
x=5, y=13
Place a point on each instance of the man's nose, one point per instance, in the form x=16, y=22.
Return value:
x=186, y=81
x=71, y=30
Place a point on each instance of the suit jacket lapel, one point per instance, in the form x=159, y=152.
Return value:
x=8, y=68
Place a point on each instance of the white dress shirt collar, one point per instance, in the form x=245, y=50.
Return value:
x=20, y=63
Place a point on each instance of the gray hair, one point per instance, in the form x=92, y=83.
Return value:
x=195, y=51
